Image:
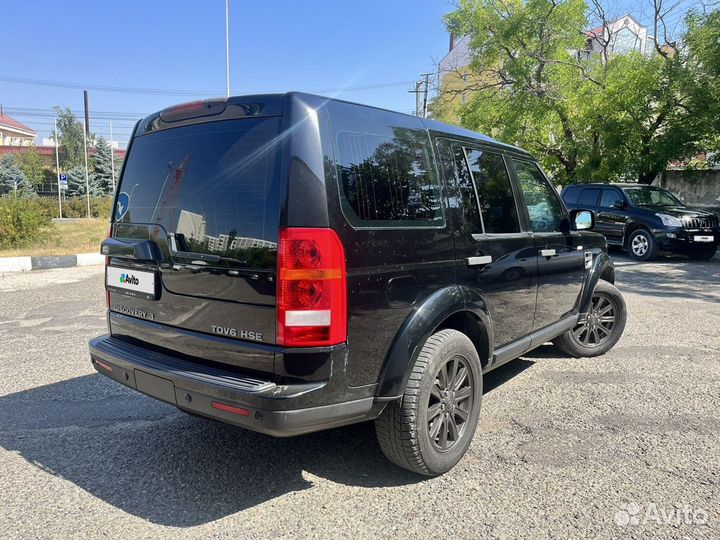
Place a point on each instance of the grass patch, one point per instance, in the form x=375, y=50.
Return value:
x=65, y=238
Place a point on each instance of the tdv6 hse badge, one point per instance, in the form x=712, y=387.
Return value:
x=234, y=332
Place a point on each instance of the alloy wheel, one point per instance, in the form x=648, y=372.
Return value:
x=599, y=324
x=450, y=403
x=640, y=245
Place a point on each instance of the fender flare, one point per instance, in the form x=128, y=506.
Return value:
x=418, y=327
x=633, y=224
x=601, y=264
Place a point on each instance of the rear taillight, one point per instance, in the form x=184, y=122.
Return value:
x=107, y=262
x=311, y=288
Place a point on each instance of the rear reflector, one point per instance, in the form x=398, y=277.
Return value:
x=312, y=290
x=103, y=365
x=229, y=409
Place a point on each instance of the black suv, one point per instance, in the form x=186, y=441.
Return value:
x=291, y=263
x=646, y=219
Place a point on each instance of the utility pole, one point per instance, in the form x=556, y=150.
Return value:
x=227, y=46
x=421, y=87
x=57, y=166
x=112, y=158
x=87, y=114
x=87, y=180
x=425, y=94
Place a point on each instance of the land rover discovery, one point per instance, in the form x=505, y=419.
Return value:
x=291, y=263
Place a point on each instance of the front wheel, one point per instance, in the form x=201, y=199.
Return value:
x=429, y=428
x=642, y=246
x=601, y=328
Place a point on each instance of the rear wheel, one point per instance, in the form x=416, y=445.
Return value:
x=642, y=246
x=429, y=428
x=704, y=253
x=602, y=327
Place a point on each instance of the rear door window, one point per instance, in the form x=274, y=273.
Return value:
x=495, y=196
x=589, y=197
x=213, y=187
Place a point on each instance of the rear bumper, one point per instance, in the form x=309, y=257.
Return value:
x=259, y=405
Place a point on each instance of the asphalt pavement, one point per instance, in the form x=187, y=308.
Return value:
x=625, y=445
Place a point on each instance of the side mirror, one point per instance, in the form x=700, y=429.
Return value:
x=583, y=220
x=620, y=205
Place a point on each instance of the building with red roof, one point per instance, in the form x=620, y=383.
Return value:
x=14, y=133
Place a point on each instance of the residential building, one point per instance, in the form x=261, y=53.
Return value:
x=14, y=133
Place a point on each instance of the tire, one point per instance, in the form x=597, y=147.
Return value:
x=588, y=339
x=703, y=254
x=642, y=246
x=403, y=429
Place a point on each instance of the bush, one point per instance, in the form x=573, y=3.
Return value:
x=76, y=207
x=22, y=221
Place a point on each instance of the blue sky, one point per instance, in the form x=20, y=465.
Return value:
x=180, y=45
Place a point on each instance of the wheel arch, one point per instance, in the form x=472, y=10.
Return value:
x=602, y=268
x=630, y=228
x=454, y=307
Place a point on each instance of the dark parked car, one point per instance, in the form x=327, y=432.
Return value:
x=290, y=263
x=646, y=219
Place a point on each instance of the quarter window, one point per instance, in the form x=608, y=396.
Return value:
x=385, y=180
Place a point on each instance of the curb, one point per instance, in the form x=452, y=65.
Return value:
x=26, y=264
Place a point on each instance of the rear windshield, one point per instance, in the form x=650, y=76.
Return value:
x=212, y=186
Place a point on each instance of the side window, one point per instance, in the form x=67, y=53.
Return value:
x=589, y=197
x=494, y=192
x=385, y=180
x=546, y=213
x=609, y=197
x=466, y=191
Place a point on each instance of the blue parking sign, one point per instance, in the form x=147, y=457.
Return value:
x=63, y=181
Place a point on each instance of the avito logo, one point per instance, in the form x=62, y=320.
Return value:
x=129, y=279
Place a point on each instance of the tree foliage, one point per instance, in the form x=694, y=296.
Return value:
x=586, y=116
x=103, y=182
x=31, y=165
x=70, y=138
x=12, y=178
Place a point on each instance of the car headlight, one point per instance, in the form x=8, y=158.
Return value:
x=670, y=221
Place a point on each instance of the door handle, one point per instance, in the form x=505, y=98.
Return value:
x=547, y=253
x=477, y=261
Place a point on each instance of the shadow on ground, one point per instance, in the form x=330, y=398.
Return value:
x=670, y=276
x=153, y=461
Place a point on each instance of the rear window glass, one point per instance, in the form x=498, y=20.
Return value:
x=385, y=180
x=212, y=186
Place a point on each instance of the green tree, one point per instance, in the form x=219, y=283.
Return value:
x=76, y=182
x=70, y=138
x=586, y=116
x=102, y=181
x=32, y=165
x=12, y=179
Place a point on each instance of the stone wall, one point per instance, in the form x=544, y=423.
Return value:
x=695, y=188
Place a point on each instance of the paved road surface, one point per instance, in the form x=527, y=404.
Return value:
x=564, y=445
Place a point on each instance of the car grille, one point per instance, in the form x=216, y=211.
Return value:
x=700, y=222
